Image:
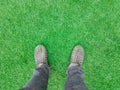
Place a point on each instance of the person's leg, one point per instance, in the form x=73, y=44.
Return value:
x=40, y=76
x=74, y=71
x=39, y=79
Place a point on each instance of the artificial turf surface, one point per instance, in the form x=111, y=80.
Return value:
x=60, y=25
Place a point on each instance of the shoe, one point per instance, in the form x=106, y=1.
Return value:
x=77, y=56
x=40, y=55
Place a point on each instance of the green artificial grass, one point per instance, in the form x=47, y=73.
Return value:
x=60, y=25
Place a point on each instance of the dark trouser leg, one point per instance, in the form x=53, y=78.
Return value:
x=75, y=79
x=39, y=79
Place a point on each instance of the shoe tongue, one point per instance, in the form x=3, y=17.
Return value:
x=73, y=64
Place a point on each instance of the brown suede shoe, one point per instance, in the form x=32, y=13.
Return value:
x=77, y=56
x=40, y=55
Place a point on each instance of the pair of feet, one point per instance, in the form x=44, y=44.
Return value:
x=77, y=56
